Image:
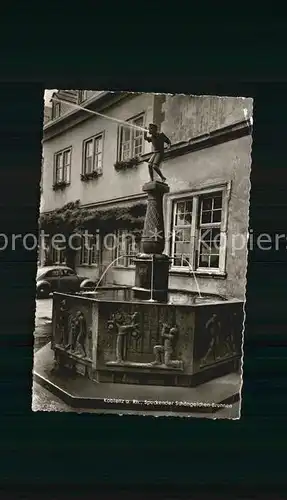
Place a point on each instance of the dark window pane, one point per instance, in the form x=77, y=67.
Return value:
x=206, y=217
x=214, y=260
x=216, y=216
x=206, y=234
x=207, y=204
x=189, y=206
x=203, y=260
x=215, y=234
x=217, y=202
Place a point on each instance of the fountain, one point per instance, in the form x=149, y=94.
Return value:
x=148, y=334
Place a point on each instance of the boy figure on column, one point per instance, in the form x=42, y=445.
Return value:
x=158, y=140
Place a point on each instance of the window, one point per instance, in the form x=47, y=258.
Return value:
x=197, y=229
x=131, y=140
x=209, y=231
x=126, y=247
x=56, y=273
x=182, y=233
x=63, y=166
x=82, y=95
x=93, y=155
x=56, y=110
x=68, y=272
x=89, y=253
x=59, y=256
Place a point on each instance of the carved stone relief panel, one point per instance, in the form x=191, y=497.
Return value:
x=73, y=327
x=220, y=330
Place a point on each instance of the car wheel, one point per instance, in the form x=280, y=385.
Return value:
x=43, y=292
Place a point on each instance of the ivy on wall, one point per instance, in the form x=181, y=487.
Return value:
x=72, y=218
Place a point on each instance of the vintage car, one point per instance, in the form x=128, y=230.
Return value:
x=60, y=279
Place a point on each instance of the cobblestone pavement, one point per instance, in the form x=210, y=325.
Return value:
x=44, y=400
x=43, y=323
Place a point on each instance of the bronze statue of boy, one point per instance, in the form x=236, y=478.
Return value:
x=158, y=140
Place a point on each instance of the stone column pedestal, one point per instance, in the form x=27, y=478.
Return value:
x=153, y=240
x=151, y=280
x=152, y=266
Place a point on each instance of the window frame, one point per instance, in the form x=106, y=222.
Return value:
x=127, y=260
x=68, y=272
x=85, y=142
x=196, y=196
x=56, y=105
x=132, y=139
x=206, y=227
x=80, y=100
x=56, y=256
x=66, y=180
x=89, y=261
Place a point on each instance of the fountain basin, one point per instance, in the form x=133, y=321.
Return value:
x=108, y=336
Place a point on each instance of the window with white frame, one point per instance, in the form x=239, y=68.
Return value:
x=182, y=232
x=82, y=95
x=56, y=110
x=126, y=247
x=89, y=252
x=59, y=256
x=197, y=227
x=210, y=217
x=62, y=168
x=131, y=139
x=93, y=154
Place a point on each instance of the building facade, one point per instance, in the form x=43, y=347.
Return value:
x=92, y=164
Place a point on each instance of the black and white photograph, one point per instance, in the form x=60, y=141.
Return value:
x=142, y=253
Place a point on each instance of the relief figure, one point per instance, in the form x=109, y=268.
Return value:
x=78, y=331
x=164, y=351
x=123, y=326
